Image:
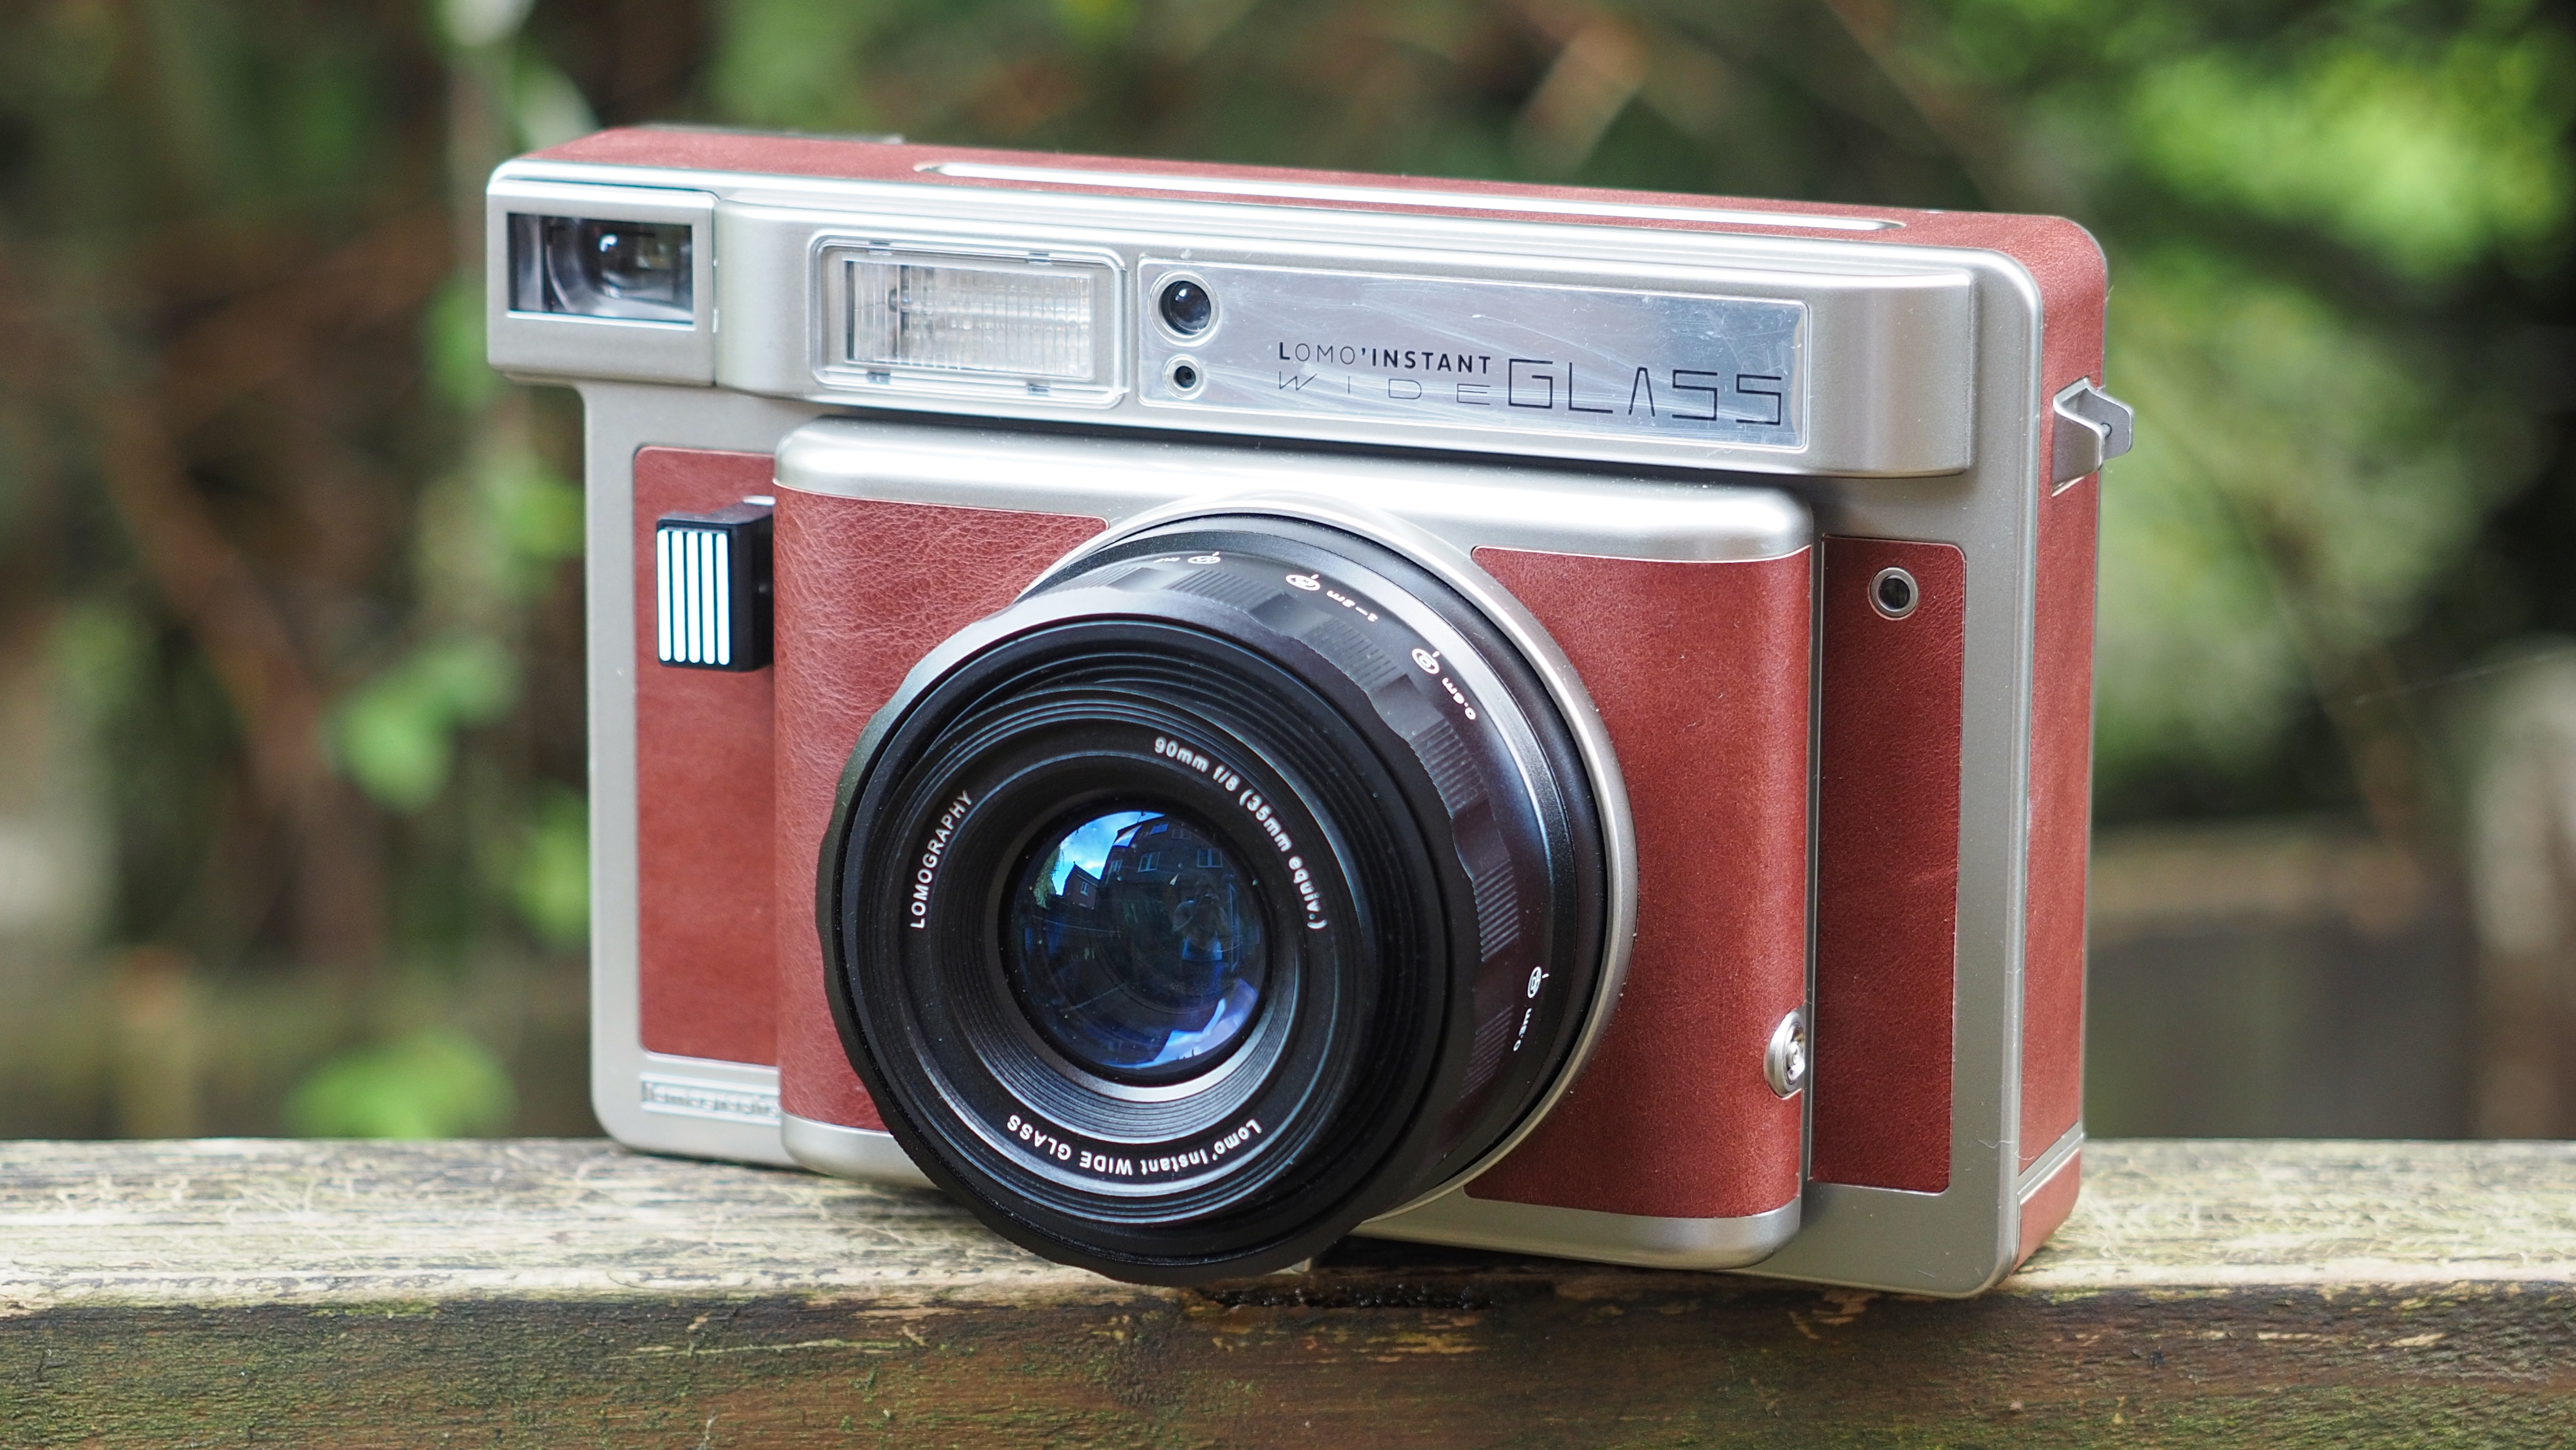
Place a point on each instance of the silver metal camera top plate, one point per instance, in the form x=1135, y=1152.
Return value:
x=1884, y=383
x=1444, y=354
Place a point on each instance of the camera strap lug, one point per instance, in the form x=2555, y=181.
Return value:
x=2092, y=429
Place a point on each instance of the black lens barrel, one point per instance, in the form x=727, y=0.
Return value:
x=1402, y=812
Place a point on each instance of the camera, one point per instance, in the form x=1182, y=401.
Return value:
x=1204, y=710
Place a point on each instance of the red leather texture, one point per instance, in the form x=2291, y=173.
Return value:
x=2045, y=1207
x=1700, y=671
x=865, y=589
x=705, y=941
x=2073, y=290
x=1887, y=868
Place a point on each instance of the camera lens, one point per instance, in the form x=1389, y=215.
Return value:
x=1186, y=307
x=1241, y=882
x=1135, y=943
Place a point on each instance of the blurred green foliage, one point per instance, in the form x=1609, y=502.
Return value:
x=431, y=1084
x=395, y=732
x=302, y=575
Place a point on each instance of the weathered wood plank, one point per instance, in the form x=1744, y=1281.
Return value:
x=567, y=1293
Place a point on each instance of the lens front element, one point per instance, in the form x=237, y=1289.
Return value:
x=1135, y=944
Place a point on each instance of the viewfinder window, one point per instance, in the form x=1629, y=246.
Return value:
x=597, y=267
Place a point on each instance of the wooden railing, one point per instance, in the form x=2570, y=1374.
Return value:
x=557, y=1294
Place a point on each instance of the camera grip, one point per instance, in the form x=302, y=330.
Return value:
x=704, y=973
x=1700, y=671
x=1887, y=863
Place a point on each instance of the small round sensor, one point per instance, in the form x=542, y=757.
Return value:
x=1893, y=593
x=1186, y=306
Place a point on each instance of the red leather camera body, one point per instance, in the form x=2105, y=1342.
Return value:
x=1838, y=672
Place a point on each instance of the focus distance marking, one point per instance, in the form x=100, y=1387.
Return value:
x=1424, y=657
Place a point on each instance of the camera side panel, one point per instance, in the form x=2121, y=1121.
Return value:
x=2069, y=271
x=865, y=589
x=1887, y=861
x=1701, y=673
x=705, y=967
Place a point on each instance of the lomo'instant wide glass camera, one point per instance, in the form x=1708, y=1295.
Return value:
x=1204, y=710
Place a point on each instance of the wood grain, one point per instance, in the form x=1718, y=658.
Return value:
x=553, y=1293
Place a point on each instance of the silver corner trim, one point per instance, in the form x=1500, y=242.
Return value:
x=2092, y=429
x=860, y=1153
x=698, y=1098
x=1582, y=1233
x=1292, y=191
x=2059, y=1153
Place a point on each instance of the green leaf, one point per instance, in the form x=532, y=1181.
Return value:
x=546, y=106
x=395, y=735
x=432, y=1084
x=1096, y=22
x=539, y=515
x=102, y=656
x=452, y=339
x=552, y=882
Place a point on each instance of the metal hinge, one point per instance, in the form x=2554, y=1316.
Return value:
x=2092, y=429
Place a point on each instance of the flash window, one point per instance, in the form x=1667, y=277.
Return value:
x=969, y=322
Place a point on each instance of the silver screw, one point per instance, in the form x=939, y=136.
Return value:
x=1784, y=1063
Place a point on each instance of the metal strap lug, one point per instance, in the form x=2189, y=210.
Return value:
x=2092, y=429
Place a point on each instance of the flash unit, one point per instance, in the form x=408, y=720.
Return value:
x=1036, y=319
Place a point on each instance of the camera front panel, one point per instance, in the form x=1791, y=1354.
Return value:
x=1723, y=625
x=705, y=975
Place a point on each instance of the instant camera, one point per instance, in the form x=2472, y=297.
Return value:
x=1202, y=710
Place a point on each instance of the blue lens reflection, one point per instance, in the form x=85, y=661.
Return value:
x=1134, y=941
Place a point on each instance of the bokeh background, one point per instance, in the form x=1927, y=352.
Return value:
x=291, y=751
